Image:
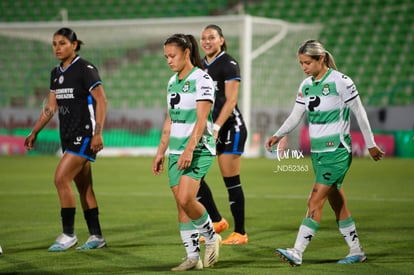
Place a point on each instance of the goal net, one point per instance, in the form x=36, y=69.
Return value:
x=129, y=56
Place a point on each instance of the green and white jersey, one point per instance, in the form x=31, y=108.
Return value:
x=328, y=114
x=182, y=97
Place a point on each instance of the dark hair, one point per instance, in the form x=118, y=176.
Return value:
x=70, y=35
x=187, y=41
x=316, y=50
x=220, y=33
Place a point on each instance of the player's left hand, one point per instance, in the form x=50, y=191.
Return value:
x=376, y=153
x=184, y=161
x=97, y=143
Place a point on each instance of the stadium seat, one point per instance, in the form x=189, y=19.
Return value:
x=369, y=39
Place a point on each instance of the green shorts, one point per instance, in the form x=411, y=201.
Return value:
x=330, y=167
x=198, y=169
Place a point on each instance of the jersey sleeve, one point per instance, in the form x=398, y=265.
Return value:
x=53, y=79
x=346, y=88
x=231, y=70
x=299, y=95
x=205, y=88
x=91, y=77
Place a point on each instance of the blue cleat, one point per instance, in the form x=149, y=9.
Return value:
x=93, y=242
x=63, y=242
x=351, y=259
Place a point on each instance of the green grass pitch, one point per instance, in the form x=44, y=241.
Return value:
x=139, y=222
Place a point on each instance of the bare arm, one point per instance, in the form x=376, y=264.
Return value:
x=46, y=115
x=158, y=162
x=98, y=94
x=231, y=91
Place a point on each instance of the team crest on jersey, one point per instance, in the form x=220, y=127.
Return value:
x=61, y=79
x=325, y=90
x=186, y=87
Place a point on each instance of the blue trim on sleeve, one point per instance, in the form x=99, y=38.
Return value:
x=234, y=78
x=97, y=83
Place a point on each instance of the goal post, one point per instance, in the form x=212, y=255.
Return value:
x=129, y=56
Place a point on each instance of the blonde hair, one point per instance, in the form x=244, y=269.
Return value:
x=316, y=50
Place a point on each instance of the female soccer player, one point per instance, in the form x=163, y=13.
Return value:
x=188, y=132
x=76, y=93
x=327, y=96
x=229, y=130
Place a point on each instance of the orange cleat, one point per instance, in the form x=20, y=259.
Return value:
x=236, y=238
x=221, y=226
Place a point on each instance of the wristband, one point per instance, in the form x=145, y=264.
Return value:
x=216, y=127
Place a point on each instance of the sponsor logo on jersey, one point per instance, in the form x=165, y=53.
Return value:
x=207, y=90
x=174, y=100
x=66, y=93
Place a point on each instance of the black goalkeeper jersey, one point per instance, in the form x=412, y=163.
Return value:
x=224, y=68
x=72, y=87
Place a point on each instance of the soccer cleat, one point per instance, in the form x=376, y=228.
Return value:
x=189, y=264
x=63, y=242
x=219, y=227
x=236, y=238
x=290, y=255
x=93, y=242
x=212, y=252
x=355, y=258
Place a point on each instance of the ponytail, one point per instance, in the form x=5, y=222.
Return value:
x=195, y=53
x=329, y=60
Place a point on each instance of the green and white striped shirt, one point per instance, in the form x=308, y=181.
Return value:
x=182, y=97
x=328, y=115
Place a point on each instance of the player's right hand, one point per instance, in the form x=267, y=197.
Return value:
x=29, y=141
x=158, y=165
x=270, y=142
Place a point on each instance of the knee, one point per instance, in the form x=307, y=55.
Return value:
x=59, y=182
x=62, y=182
x=183, y=202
